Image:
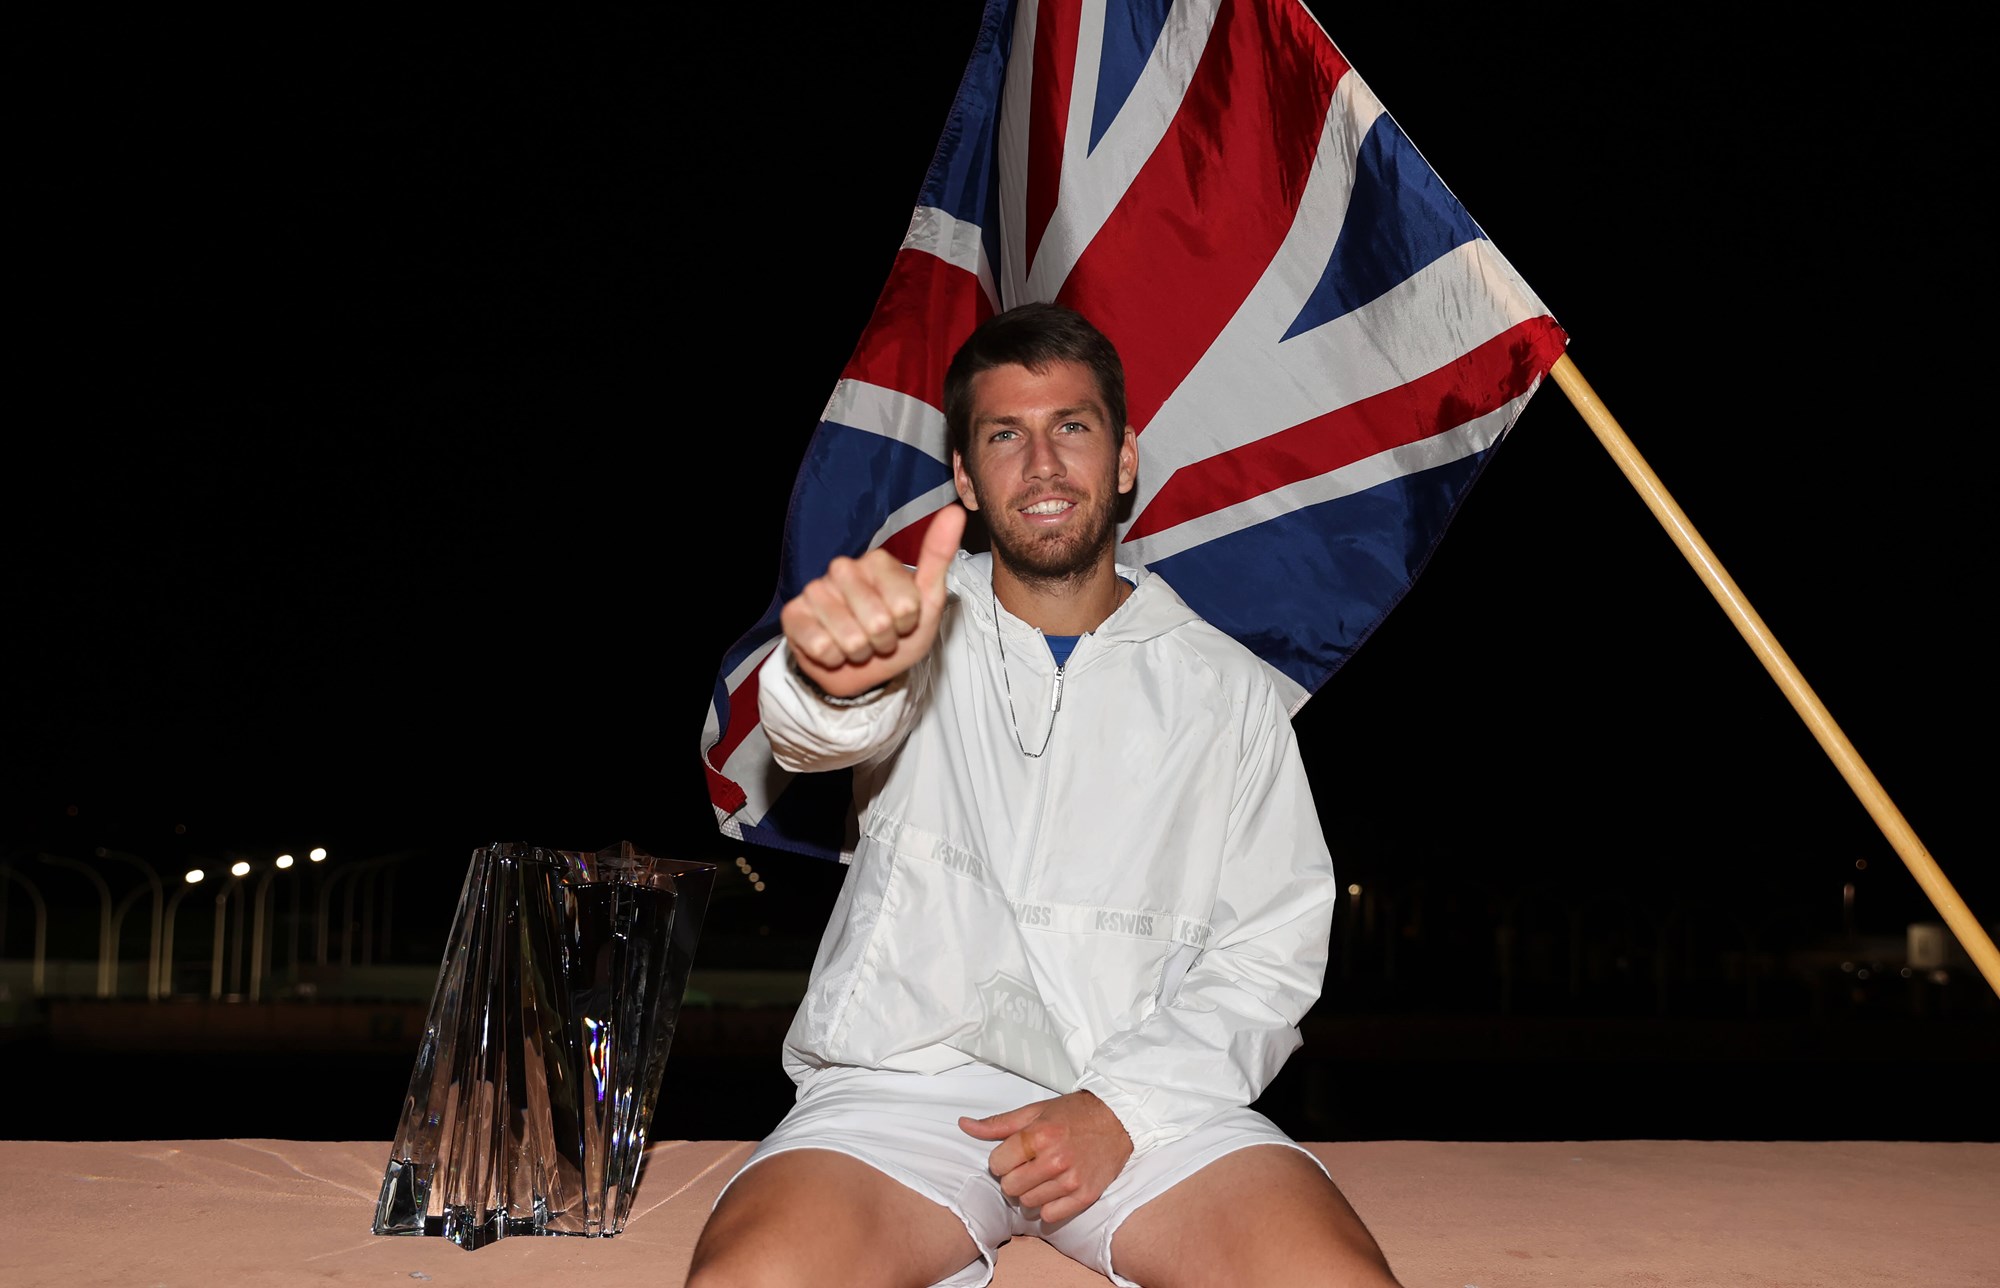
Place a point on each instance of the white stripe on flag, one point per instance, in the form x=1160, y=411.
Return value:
x=1396, y=338
x=752, y=768
x=913, y=510
x=956, y=242
x=1095, y=180
x=734, y=681
x=1440, y=449
x=878, y=409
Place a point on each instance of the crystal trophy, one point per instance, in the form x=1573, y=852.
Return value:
x=545, y=1046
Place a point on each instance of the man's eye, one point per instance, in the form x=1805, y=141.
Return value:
x=1074, y=427
x=1001, y=436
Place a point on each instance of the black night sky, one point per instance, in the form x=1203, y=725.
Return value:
x=407, y=409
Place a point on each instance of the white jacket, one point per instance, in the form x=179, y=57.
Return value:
x=1142, y=912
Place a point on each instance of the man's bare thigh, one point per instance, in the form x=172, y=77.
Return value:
x=820, y=1217
x=1265, y=1215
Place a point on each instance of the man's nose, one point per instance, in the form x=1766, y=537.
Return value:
x=1043, y=460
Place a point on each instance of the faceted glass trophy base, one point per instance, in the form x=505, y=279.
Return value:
x=547, y=1039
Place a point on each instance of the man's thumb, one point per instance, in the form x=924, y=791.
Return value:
x=999, y=1126
x=940, y=548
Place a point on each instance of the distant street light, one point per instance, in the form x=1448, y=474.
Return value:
x=315, y=857
x=236, y=873
x=152, y=940
x=189, y=881
x=259, y=951
x=105, y=954
x=41, y=926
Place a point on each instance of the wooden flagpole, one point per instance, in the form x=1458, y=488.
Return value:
x=1887, y=817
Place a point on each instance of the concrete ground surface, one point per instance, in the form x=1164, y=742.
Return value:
x=1658, y=1213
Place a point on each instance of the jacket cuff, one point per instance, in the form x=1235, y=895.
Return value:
x=1146, y=1133
x=784, y=667
x=867, y=697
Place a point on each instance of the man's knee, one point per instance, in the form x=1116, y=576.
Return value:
x=720, y=1273
x=740, y=1263
x=820, y=1218
x=1300, y=1230
x=743, y=1244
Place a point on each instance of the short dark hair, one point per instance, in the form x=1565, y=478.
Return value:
x=1032, y=336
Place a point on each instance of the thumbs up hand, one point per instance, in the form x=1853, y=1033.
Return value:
x=868, y=620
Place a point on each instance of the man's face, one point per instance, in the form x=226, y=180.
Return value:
x=1046, y=467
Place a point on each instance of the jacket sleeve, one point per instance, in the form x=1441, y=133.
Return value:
x=808, y=734
x=1219, y=1038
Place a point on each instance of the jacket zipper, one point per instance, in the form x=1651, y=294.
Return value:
x=1038, y=851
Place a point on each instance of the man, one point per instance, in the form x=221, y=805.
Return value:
x=1088, y=901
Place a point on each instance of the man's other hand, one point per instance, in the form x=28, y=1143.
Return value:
x=1057, y=1155
x=868, y=620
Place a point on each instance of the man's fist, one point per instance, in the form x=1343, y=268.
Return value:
x=1057, y=1155
x=868, y=620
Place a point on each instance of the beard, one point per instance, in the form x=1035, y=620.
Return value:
x=1052, y=558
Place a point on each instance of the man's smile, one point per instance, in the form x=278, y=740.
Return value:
x=1048, y=509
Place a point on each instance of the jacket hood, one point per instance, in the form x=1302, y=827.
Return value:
x=1151, y=610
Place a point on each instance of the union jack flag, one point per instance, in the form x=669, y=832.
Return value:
x=1322, y=348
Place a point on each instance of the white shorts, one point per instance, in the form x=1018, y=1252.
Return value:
x=905, y=1125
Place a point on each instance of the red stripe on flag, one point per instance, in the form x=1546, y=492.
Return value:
x=725, y=795
x=926, y=309
x=1056, y=26
x=742, y=719
x=1462, y=390
x=909, y=542
x=1211, y=206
